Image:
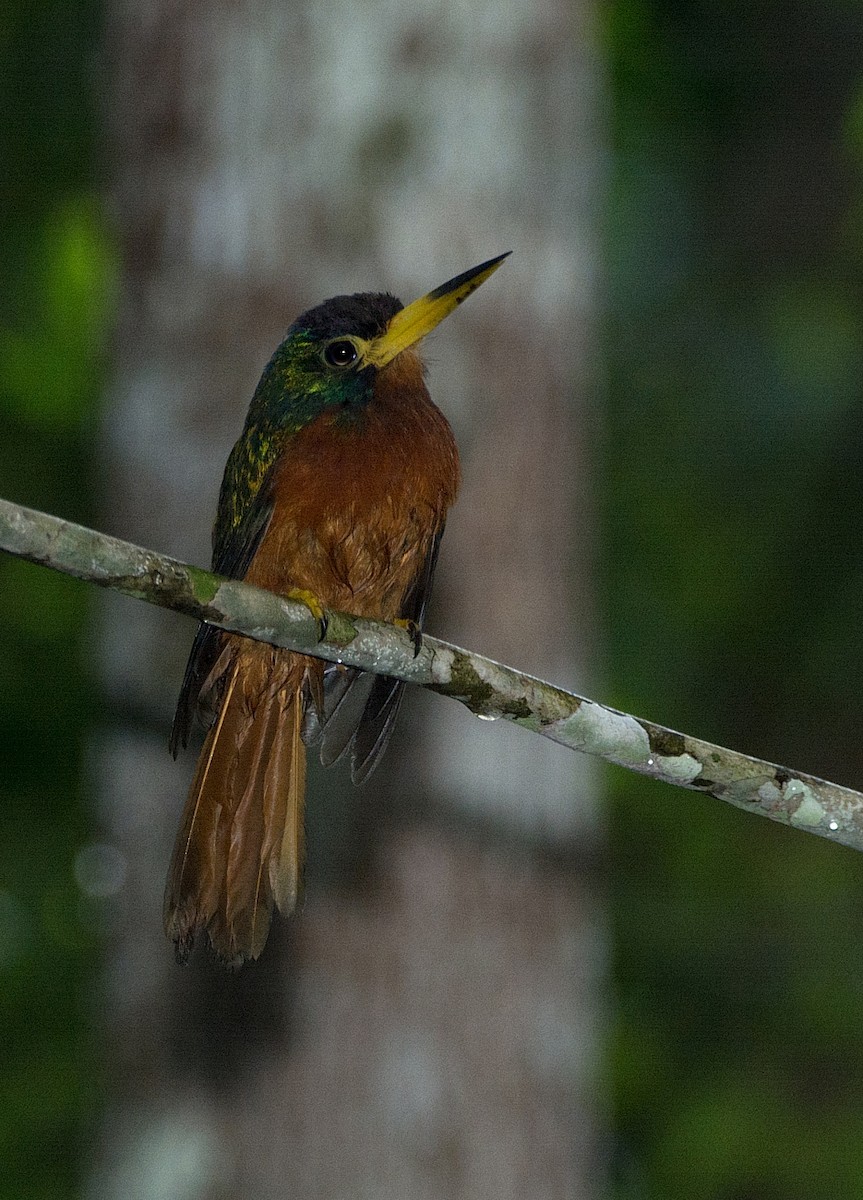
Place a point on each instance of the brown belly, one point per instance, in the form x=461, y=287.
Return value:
x=353, y=559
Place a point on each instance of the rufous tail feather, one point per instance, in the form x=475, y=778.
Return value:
x=241, y=844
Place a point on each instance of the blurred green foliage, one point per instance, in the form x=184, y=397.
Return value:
x=734, y=570
x=56, y=267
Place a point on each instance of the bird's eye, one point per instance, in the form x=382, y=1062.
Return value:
x=341, y=353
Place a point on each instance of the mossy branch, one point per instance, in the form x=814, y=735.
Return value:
x=487, y=688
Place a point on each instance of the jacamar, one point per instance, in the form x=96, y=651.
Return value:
x=336, y=493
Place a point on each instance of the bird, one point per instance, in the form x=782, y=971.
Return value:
x=335, y=494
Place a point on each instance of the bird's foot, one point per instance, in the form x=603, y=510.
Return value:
x=313, y=604
x=413, y=631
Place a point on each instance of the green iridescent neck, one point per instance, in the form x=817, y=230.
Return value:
x=297, y=386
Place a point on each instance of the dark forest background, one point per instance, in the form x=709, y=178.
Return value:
x=729, y=477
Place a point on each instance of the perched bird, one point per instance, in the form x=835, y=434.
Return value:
x=336, y=493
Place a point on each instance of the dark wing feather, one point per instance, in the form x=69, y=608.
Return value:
x=346, y=692
x=202, y=658
x=233, y=552
x=376, y=726
x=417, y=598
x=381, y=709
x=234, y=546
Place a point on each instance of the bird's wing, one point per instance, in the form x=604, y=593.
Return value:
x=379, y=715
x=245, y=507
x=243, y=518
x=361, y=709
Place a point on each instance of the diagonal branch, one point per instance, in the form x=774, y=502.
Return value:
x=487, y=688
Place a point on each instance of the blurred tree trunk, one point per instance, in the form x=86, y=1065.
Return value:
x=428, y=1026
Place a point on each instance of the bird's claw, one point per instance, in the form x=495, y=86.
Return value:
x=313, y=604
x=413, y=631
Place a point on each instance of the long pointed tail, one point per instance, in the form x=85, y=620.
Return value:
x=241, y=845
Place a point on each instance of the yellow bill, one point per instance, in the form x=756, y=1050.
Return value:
x=414, y=322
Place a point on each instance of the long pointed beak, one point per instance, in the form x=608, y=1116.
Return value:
x=414, y=322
